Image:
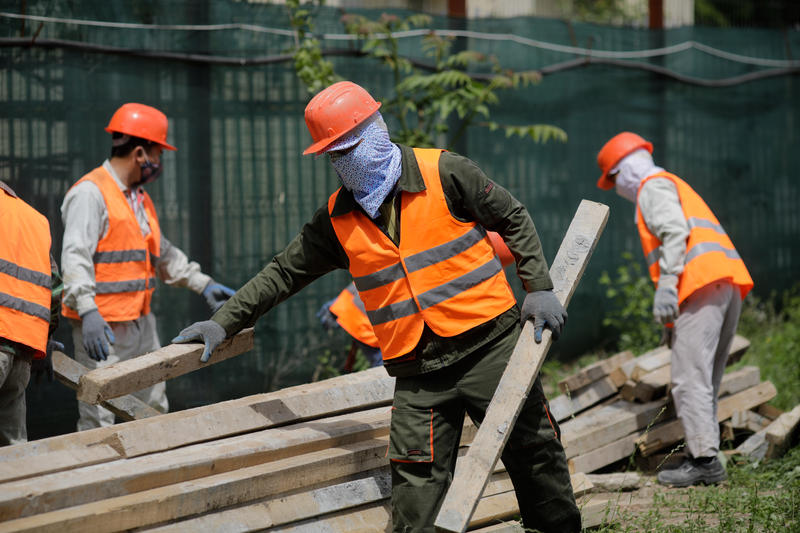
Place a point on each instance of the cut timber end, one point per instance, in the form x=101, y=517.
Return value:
x=523, y=366
x=160, y=365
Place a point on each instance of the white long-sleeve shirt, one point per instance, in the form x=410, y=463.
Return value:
x=85, y=218
x=660, y=207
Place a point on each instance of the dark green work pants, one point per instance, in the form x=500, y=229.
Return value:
x=427, y=419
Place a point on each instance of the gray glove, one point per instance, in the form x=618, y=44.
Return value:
x=665, y=302
x=44, y=367
x=545, y=310
x=96, y=335
x=207, y=331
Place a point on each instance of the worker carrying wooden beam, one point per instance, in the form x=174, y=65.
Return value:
x=410, y=225
x=114, y=250
x=700, y=283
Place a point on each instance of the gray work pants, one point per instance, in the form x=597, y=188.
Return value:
x=704, y=331
x=15, y=372
x=132, y=338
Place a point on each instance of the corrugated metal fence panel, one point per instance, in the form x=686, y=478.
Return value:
x=238, y=189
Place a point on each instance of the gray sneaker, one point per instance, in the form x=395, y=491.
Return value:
x=693, y=472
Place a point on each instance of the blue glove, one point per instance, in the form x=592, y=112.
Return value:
x=96, y=335
x=545, y=310
x=665, y=302
x=208, y=332
x=44, y=367
x=326, y=318
x=216, y=294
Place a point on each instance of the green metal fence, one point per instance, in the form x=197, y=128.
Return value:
x=238, y=188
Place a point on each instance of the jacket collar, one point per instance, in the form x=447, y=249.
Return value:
x=410, y=181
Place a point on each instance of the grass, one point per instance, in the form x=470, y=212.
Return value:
x=758, y=497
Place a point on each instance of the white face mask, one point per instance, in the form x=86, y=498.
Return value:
x=631, y=170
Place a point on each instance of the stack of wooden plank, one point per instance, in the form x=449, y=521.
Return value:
x=312, y=457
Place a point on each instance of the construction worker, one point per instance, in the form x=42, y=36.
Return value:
x=409, y=226
x=347, y=311
x=700, y=283
x=113, y=250
x=30, y=302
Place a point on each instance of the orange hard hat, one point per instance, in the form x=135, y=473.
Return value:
x=614, y=150
x=143, y=121
x=336, y=110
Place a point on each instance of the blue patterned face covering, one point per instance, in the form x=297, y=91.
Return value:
x=368, y=163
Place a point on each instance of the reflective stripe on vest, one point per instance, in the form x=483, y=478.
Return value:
x=124, y=261
x=444, y=273
x=710, y=254
x=25, y=283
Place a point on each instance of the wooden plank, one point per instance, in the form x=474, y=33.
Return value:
x=470, y=478
x=351, y=392
x=565, y=406
x=604, y=455
x=616, y=481
x=769, y=411
x=653, y=384
x=594, y=371
x=148, y=369
x=671, y=432
x=586, y=433
x=57, y=461
x=749, y=420
x=68, y=371
x=782, y=432
x=193, y=497
x=47, y=493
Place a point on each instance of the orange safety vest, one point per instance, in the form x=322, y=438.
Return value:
x=710, y=255
x=444, y=273
x=25, y=282
x=352, y=316
x=124, y=261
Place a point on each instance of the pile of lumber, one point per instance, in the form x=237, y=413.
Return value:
x=314, y=457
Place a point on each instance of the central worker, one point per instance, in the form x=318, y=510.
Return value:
x=410, y=226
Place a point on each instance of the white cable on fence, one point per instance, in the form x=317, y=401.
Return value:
x=533, y=43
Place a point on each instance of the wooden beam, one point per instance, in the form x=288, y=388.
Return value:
x=84, y=485
x=154, y=506
x=594, y=371
x=565, y=406
x=68, y=371
x=585, y=433
x=604, y=455
x=145, y=370
x=523, y=367
x=782, y=432
x=351, y=392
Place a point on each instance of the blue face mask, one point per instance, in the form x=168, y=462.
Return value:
x=150, y=171
x=368, y=164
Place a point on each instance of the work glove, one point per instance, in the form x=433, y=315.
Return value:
x=208, y=332
x=545, y=310
x=216, y=294
x=665, y=302
x=44, y=367
x=326, y=318
x=96, y=335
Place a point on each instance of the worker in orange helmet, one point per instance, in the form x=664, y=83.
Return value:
x=410, y=226
x=30, y=303
x=700, y=283
x=114, y=250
